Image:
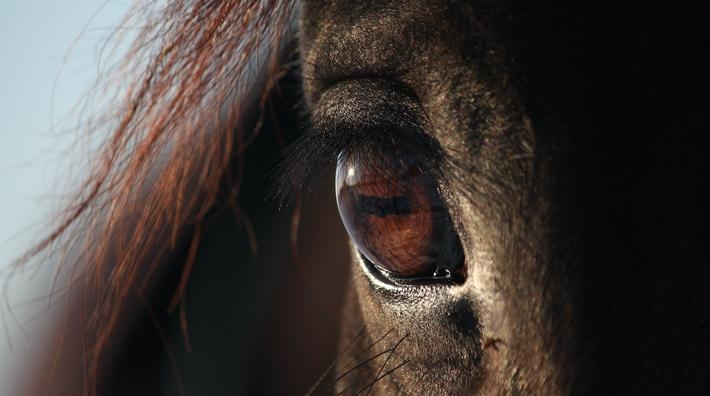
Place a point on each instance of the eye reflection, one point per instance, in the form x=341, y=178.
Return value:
x=392, y=211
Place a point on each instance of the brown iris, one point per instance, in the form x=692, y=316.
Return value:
x=393, y=212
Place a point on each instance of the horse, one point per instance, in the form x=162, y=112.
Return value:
x=522, y=185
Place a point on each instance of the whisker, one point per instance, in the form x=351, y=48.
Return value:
x=364, y=362
x=392, y=370
x=368, y=348
x=314, y=390
x=379, y=373
x=331, y=366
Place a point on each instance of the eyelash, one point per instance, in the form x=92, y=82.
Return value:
x=301, y=166
x=303, y=163
x=397, y=122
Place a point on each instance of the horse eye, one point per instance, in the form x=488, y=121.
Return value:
x=395, y=216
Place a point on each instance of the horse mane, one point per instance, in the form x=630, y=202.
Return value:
x=173, y=135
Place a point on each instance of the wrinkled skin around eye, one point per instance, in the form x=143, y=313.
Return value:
x=395, y=217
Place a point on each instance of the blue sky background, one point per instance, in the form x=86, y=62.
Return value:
x=35, y=39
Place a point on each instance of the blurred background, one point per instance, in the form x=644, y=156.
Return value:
x=49, y=56
x=258, y=325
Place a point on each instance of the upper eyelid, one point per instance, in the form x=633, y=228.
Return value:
x=361, y=109
x=393, y=79
x=350, y=120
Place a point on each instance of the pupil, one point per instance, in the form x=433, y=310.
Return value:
x=384, y=206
